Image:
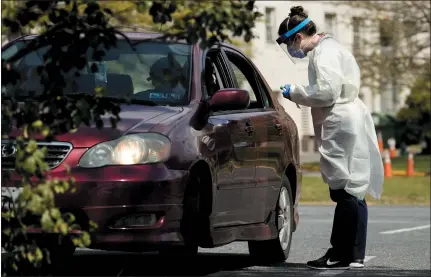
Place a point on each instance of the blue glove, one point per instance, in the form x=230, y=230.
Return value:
x=285, y=90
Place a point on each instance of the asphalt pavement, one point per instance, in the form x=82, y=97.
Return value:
x=398, y=245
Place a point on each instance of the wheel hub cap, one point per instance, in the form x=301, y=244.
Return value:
x=283, y=218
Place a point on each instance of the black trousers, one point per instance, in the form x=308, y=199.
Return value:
x=349, y=230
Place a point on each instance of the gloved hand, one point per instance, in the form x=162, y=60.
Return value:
x=285, y=90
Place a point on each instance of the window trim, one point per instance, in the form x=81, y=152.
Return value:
x=265, y=89
x=255, y=110
x=228, y=74
x=233, y=77
x=218, y=61
x=262, y=88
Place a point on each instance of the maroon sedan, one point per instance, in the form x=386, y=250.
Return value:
x=203, y=156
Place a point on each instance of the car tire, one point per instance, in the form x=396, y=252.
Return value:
x=194, y=225
x=277, y=250
x=60, y=251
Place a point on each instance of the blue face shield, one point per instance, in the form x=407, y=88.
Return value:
x=286, y=42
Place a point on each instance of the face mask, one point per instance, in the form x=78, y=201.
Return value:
x=298, y=53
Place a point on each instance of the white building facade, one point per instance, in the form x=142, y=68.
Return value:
x=279, y=70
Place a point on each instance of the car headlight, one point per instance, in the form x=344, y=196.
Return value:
x=128, y=150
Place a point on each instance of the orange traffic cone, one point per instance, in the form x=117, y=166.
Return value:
x=380, y=140
x=410, y=165
x=393, y=152
x=388, y=165
x=392, y=149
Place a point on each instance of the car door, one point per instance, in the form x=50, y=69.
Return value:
x=233, y=133
x=268, y=136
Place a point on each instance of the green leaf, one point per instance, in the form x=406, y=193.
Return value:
x=31, y=147
x=55, y=213
x=29, y=165
x=99, y=91
x=63, y=227
x=26, y=193
x=30, y=257
x=45, y=131
x=38, y=254
x=7, y=231
x=46, y=221
x=37, y=124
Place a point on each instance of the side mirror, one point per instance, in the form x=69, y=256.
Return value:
x=229, y=99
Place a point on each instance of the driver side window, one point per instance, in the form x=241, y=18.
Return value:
x=245, y=79
x=243, y=83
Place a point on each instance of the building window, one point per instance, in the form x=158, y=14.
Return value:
x=330, y=24
x=410, y=27
x=270, y=24
x=386, y=30
x=305, y=119
x=304, y=144
x=357, y=34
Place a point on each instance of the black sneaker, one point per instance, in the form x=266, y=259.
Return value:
x=358, y=263
x=328, y=262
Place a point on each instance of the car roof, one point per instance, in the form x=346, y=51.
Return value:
x=129, y=35
x=143, y=35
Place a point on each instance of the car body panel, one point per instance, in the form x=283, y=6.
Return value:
x=270, y=166
x=235, y=171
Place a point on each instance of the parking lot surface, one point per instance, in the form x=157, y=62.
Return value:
x=398, y=245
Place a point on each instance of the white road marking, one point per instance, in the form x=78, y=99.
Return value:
x=406, y=230
x=368, y=258
x=329, y=272
x=370, y=221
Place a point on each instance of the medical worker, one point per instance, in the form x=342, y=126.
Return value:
x=350, y=161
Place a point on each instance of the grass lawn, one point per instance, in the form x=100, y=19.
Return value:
x=396, y=190
x=422, y=164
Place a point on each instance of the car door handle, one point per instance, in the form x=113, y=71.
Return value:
x=249, y=129
x=279, y=128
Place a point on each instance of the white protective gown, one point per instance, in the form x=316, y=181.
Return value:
x=344, y=129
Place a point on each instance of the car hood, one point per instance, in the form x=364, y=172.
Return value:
x=133, y=118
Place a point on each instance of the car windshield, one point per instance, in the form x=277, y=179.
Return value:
x=154, y=71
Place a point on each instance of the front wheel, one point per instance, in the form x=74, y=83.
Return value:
x=277, y=250
x=194, y=226
x=60, y=251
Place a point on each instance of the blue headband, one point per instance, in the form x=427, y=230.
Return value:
x=297, y=28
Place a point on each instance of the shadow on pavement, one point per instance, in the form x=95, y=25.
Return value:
x=95, y=263
x=131, y=264
x=92, y=263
